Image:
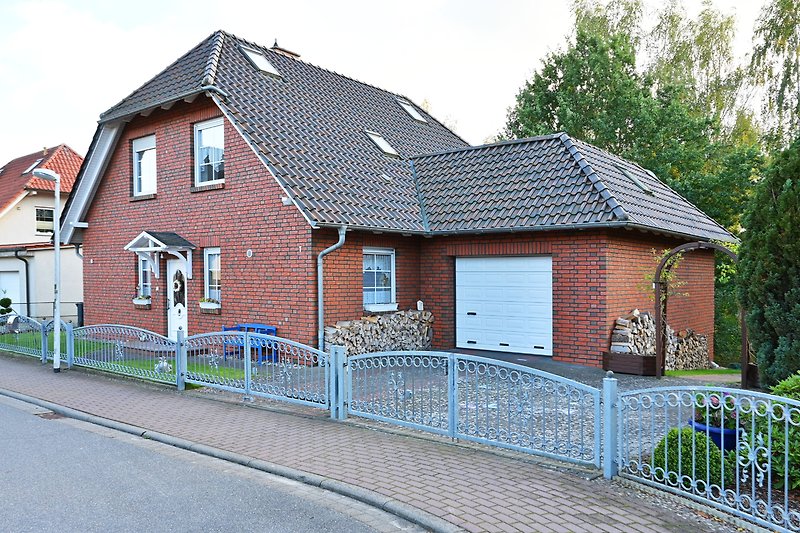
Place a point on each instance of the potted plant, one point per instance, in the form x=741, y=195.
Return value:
x=716, y=415
x=141, y=299
x=209, y=303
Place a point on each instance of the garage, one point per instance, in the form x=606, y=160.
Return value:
x=505, y=304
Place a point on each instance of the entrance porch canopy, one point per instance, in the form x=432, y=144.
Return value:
x=149, y=244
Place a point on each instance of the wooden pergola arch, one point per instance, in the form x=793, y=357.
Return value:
x=660, y=287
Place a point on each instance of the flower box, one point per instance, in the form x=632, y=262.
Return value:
x=625, y=363
x=716, y=434
x=210, y=305
x=141, y=303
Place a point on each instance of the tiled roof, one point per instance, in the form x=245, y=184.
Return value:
x=14, y=180
x=308, y=126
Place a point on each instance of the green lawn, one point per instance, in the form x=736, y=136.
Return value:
x=192, y=366
x=702, y=372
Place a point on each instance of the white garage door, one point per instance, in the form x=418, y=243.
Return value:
x=505, y=304
x=9, y=288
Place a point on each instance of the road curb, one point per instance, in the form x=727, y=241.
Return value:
x=369, y=497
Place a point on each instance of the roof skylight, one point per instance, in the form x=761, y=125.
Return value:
x=382, y=143
x=34, y=165
x=411, y=110
x=636, y=181
x=260, y=61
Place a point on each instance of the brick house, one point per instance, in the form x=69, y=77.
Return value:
x=26, y=232
x=244, y=164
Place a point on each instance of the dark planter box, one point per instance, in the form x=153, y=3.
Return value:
x=624, y=363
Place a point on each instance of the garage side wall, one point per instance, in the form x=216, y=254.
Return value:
x=579, y=286
x=631, y=263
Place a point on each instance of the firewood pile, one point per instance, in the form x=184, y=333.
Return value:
x=402, y=330
x=635, y=334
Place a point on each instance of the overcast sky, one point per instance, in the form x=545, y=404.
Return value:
x=63, y=62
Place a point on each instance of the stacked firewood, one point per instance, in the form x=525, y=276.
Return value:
x=402, y=330
x=635, y=334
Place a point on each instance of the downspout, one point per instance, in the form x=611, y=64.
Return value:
x=78, y=251
x=321, y=288
x=27, y=283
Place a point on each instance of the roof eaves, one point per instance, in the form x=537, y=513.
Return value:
x=127, y=115
x=595, y=180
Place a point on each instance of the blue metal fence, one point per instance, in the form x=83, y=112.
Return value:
x=735, y=450
x=21, y=334
x=478, y=399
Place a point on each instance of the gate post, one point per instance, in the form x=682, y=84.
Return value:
x=610, y=427
x=337, y=383
x=70, y=345
x=248, y=367
x=180, y=361
x=43, y=330
x=452, y=395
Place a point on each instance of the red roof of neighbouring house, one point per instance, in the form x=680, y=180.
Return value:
x=16, y=176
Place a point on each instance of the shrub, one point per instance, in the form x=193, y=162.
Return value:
x=5, y=306
x=769, y=287
x=710, y=470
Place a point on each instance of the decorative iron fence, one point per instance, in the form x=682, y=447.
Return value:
x=736, y=450
x=478, y=399
x=21, y=334
x=48, y=328
x=124, y=350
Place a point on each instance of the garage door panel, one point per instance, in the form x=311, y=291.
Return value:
x=509, y=301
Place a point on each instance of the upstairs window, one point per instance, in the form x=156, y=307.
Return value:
x=144, y=165
x=145, y=280
x=44, y=220
x=411, y=110
x=213, y=274
x=34, y=165
x=378, y=279
x=209, y=152
x=260, y=61
x=382, y=143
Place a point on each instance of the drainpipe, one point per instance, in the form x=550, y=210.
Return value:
x=321, y=289
x=78, y=251
x=27, y=283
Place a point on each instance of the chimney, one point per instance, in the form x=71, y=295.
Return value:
x=284, y=51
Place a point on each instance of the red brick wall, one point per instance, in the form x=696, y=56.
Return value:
x=579, y=290
x=343, y=267
x=631, y=263
x=274, y=286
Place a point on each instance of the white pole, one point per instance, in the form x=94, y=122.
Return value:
x=57, y=281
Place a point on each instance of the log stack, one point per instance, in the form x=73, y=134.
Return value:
x=401, y=330
x=635, y=335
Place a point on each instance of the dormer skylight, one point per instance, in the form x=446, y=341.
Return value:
x=382, y=143
x=411, y=110
x=260, y=61
x=636, y=181
x=34, y=165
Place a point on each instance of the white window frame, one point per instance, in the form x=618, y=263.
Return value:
x=259, y=60
x=391, y=306
x=206, y=278
x=382, y=144
x=140, y=145
x=200, y=126
x=36, y=219
x=412, y=110
x=33, y=165
x=145, y=273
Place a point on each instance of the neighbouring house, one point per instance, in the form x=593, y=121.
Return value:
x=26, y=234
x=231, y=174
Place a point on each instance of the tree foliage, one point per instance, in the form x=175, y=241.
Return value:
x=769, y=267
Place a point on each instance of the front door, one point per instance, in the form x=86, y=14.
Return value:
x=176, y=298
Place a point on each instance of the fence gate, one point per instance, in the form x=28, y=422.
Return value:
x=478, y=399
x=258, y=365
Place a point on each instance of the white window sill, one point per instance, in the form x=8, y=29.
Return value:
x=380, y=307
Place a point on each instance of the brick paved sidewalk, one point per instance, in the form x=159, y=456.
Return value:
x=472, y=488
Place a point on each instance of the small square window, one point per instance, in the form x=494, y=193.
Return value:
x=411, y=110
x=144, y=165
x=209, y=152
x=34, y=165
x=145, y=279
x=382, y=143
x=260, y=61
x=378, y=279
x=212, y=262
x=44, y=220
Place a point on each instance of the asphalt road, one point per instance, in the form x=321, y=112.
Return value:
x=58, y=474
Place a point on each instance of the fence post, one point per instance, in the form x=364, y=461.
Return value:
x=339, y=359
x=180, y=361
x=43, y=331
x=248, y=367
x=452, y=394
x=610, y=427
x=70, y=345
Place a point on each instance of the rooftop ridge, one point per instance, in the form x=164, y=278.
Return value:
x=213, y=60
x=538, y=138
x=594, y=179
